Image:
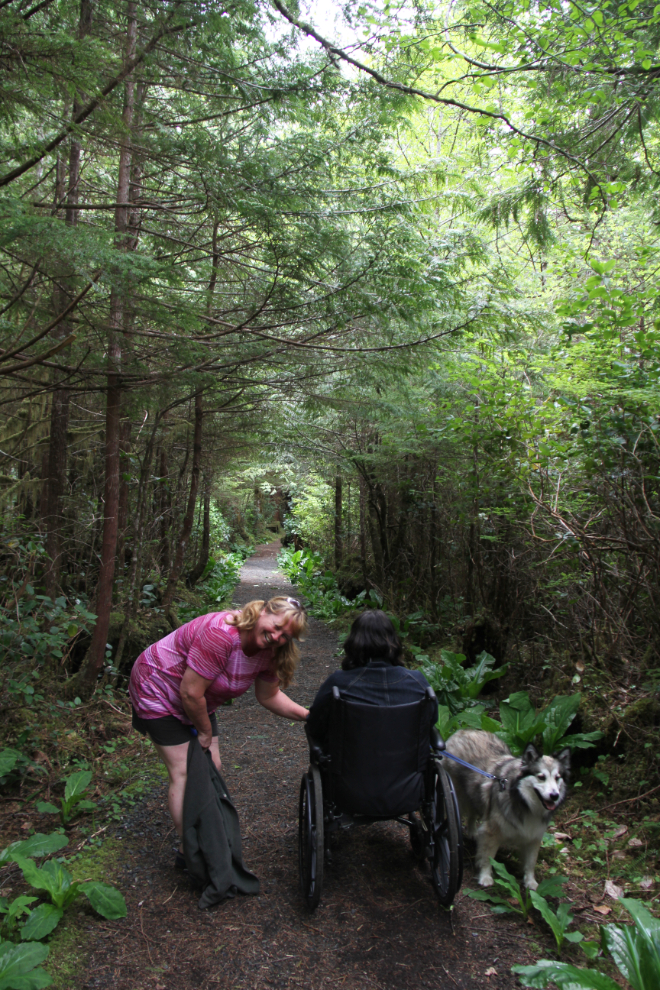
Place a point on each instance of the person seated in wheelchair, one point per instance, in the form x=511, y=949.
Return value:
x=372, y=672
x=376, y=755
x=376, y=752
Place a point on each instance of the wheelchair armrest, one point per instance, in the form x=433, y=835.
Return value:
x=437, y=742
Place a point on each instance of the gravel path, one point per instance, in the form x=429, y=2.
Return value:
x=378, y=924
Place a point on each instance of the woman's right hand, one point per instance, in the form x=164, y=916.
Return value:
x=205, y=739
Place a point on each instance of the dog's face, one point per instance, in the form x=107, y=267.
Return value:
x=545, y=777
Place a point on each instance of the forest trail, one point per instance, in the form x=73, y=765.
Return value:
x=378, y=924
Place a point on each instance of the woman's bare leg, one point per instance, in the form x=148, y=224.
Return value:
x=175, y=759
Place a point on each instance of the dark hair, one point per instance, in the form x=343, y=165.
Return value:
x=372, y=637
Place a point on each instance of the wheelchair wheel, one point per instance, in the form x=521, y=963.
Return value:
x=446, y=861
x=310, y=837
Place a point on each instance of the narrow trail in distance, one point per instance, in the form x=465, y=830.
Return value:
x=378, y=923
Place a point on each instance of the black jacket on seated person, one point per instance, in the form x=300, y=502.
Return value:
x=379, y=683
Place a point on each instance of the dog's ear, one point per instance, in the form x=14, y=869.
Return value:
x=564, y=760
x=530, y=755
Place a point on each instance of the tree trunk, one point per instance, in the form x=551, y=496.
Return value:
x=200, y=566
x=59, y=412
x=96, y=654
x=363, y=530
x=133, y=592
x=165, y=510
x=189, y=517
x=124, y=477
x=339, y=540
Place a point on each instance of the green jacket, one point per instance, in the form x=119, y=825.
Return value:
x=211, y=833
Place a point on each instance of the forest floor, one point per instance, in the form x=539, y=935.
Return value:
x=378, y=923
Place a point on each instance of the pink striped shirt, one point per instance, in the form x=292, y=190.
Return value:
x=210, y=647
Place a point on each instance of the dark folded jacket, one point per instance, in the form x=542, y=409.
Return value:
x=211, y=833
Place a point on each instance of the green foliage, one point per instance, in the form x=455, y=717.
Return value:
x=60, y=887
x=20, y=920
x=558, y=921
x=34, y=627
x=506, y=896
x=564, y=975
x=305, y=569
x=634, y=948
x=457, y=688
x=20, y=966
x=13, y=910
x=73, y=801
x=521, y=724
x=222, y=576
x=35, y=847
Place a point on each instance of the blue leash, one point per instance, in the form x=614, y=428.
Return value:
x=484, y=773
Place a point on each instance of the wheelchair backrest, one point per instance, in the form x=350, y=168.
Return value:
x=378, y=755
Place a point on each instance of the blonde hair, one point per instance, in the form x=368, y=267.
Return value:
x=286, y=657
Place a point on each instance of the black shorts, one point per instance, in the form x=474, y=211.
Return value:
x=168, y=730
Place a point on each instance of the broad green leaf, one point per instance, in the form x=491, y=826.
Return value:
x=39, y=844
x=645, y=922
x=635, y=950
x=579, y=740
x=507, y=879
x=31, y=872
x=41, y=922
x=558, y=715
x=8, y=760
x=52, y=877
x=20, y=905
x=77, y=783
x=46, y=808
x=548, y=916
x=18, y=964
x=106, y=900
x=565, y=976
x=493, y=898
x=551, y=886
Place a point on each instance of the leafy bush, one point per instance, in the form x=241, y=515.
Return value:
x=558, y=921
x=635, y=950
x=521, y=724
x=221, y=577
x=35, y=628
x=18, y=963
x=73, y=800
x=506, y=896
x=457, y=688
x=306, y=570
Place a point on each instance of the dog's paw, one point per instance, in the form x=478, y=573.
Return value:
x=531, y=883
x=486, y=880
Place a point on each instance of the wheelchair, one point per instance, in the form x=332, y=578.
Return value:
x=380, y=763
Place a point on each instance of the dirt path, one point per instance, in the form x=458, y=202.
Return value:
x=378, y=924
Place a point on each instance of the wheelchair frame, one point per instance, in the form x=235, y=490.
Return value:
x=435, y=828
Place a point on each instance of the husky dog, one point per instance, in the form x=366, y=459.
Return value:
x=518, y=815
